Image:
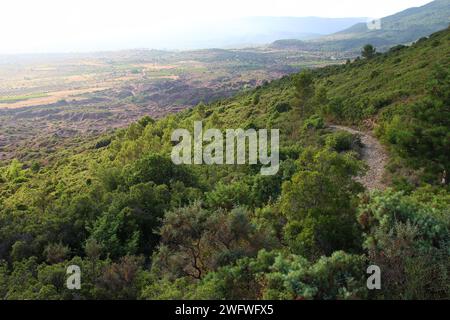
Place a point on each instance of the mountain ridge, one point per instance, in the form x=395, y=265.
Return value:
x=401, y=28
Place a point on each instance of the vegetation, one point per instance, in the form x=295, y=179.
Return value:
x=141, y=227
x=12, y=99
x=368, y=51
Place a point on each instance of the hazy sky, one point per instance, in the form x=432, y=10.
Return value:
x=84, y=25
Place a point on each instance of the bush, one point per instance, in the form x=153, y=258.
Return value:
x=343, y=141
x=282, y=107
x=102, y=143
x=227, y=196
x=276, y=275
x=317, y=204
x=409, y=241
x=314, y=122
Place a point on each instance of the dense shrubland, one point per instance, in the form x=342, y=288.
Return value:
x=141, y=227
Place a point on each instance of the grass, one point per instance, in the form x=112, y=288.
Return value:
x=13, y=99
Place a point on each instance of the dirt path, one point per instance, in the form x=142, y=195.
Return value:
x=374, y=155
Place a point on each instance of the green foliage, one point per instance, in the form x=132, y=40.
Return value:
x=157, y=169
x=317, y=204
x=116, y=232
x=368, y=51
x=102, y=143
x=276, y=275
x=405, y=99
x=141, y=227
x=282, y=107
x=409, y=241
x=314, y=122
x=304, y=85
x=343, y=141
x=56, y=253
x=422, y=136
x=195, y=241
x=15, y=173
x=227, y=196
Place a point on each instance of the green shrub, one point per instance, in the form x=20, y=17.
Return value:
x=282, y=107
x=343, y=141
x=314, y=122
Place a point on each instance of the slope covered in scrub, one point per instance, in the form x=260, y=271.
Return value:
x=141, y=227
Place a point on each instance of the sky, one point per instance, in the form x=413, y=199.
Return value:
x=36, y=26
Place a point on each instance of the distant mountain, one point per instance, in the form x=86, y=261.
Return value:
x=401, y=28
x=303, y=26
x=246, y=31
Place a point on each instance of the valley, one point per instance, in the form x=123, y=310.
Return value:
x=48, y=101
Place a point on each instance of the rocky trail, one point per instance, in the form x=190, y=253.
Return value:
x=374, y=154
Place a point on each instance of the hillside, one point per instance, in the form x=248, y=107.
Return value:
x=401, y=28
x=141, y=227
